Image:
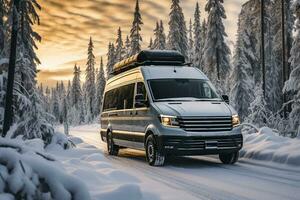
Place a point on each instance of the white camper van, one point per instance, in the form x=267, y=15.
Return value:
x=157, y=103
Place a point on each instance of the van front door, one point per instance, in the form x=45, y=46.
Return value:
x=141, y=116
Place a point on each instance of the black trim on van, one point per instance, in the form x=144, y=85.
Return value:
x=199, y=145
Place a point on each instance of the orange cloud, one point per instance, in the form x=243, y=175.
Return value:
x=66, y=26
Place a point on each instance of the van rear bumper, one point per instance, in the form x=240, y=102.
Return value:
x=199, y=145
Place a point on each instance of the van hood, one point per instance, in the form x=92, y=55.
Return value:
x=195, y=108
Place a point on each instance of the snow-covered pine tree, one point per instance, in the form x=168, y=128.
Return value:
x=76, y=88
x=162, y=38
x=191, y=43
x=27, y=102
x=100, y=84
x=259, y=113
x=203, y=40
x=48, y=99
x=150, y=46
x=242, y=93
x=216, y=51
x=65, y=116
x=275, y=82
x=159, y=36
x=110, y=60
x=2, y=31
x=177, y=38
x=55, y=105
x=120, y=51
x=293, y=84
x=90, y=82
x=135, y=32
x=197, y=49
x=69, y=94
x=127, y=47
x=156, y=36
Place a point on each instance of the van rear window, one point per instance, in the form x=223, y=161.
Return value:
x=119, y=98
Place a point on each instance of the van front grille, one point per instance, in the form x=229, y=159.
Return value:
x=202, y=142
x=205, y=124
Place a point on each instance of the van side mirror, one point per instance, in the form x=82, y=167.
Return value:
x=140, y=101
x=225, y=98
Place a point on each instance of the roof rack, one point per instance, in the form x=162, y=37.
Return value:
x=150, y=57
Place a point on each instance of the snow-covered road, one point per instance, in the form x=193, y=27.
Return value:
x=201, y=177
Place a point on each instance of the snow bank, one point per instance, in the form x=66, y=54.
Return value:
x=27, y=172
x=103, y=180
x=266, y=145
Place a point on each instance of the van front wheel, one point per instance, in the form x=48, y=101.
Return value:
x=153, y=155
x=229, y=158
x=112, y=149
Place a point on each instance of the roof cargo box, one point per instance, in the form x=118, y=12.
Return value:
x=150, y=57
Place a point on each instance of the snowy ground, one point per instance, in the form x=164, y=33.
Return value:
x=128, y=176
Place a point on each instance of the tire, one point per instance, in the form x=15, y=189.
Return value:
x=153, y=155
x=112, y=149
x=229, y=158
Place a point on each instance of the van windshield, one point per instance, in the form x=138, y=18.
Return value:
x=182, y=90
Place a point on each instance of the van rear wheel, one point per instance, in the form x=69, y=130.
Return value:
x=112, y=149
x=229, y=158
x=154, y=156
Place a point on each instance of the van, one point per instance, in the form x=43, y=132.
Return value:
x=157, y=103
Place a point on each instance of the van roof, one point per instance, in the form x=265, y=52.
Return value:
x=165, y=72
x=158, y=72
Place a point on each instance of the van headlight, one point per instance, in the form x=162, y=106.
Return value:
x=169, y=121
x=235, y=120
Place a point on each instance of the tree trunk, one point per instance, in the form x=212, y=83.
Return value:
x=8, y=114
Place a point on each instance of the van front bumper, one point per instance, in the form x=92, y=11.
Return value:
x=200, y=145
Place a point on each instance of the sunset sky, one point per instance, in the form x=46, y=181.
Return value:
x=66, y=26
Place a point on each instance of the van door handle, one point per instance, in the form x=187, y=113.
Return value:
x=113, y=115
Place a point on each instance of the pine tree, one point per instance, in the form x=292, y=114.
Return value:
x=162, y=38
x=203, y=40
x=2, y=27
x=159, y=37
x=135, y=33
x=69, y=94
x=242, y=93
x=48, y=98
x=177, y=38
x=191, y=43
x=55, y=105
x=100, y=86
x=27, y=101
x=216, y=51
x=110, y=60
x=76, y=88
x=198, y=45
x=65, y=116
x=293, y=84
x=275, y=82
x=259, y=113
x=90, y=82
x=156, y=36
x=150, y=46
x=120, y=51
x=127, y=47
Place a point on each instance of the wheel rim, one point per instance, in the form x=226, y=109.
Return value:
x=150, y=151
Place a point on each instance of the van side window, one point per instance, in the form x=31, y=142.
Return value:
x=125, y=97
x=107, y=100
x=140, y=89
x=119, y=98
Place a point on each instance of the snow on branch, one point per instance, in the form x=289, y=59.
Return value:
x=28, y=173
